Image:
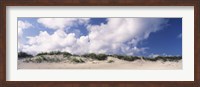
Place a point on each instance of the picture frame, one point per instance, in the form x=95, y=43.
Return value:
x=3, y=53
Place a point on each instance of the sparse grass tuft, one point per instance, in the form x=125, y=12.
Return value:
x=28, y=60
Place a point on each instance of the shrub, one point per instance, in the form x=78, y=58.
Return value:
x=76, y=55
x=171, y=58
x=38, y=60
x=23, y=55
x=66, y=54
x=90, y=55
x=76, y=60
x=111, y=61
x=127, y=58
x=150, y=59
x=54, y=60
x=55, y=53
x=101, y=57
x=165, y=58
x=42, y=58
x=50, y=53
x=117, y=56
x=43, y=53
x=96, y=56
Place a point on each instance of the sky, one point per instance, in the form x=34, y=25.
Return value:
x=125, y=36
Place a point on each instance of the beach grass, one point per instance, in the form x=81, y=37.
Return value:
x=55, y=56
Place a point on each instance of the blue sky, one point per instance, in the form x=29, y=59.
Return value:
x=126, y=36
x=167, y=41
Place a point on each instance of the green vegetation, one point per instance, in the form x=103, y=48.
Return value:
x=52, y=53
x=65, y=54
x=127, y=58
x=43, y=53
x=101, y=57
x=150, y=59
x=90, y=55
x=111, y=61
x=28, y=60
x=47, y=57
x=23, y=55
x=77, y=60
x=95, y=56
x=40, y=59
x=161, y=58
x=55, y=53
x=165, y=58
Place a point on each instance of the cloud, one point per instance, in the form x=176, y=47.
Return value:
x=21, y=27
x=153, y=55
x=61, y=23
x=59, y=40
x=122, y=35
x=156, y=55
x=117, y=36
x=180, y=35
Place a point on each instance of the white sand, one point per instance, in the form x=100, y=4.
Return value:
x=117, y=64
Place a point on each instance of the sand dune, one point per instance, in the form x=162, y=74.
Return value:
x=95, y=64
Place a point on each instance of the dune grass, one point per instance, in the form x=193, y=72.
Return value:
x=165, y=58
x=47, y=57
x=77, y=60
x=40, y=59
x=66, y=54
x=111, y=61
x=95, y=56
x=126, y=58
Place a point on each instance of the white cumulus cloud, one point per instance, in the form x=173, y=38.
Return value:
x=61, y=23
x=122, y=35
x=117, y=36
x=22, y=25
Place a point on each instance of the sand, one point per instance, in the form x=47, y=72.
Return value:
x=94, y=64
